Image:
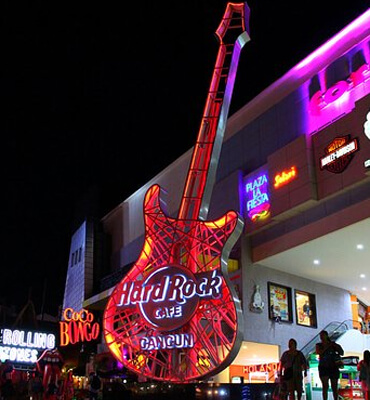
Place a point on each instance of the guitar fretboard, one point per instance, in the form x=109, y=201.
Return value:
x=203, y=164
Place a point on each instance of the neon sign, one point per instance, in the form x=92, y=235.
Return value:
x=177, y=287
x=320, y=100
x=77, y=326
x=258, y=202
x=23, y=346
x=367, y=126
x=284, y=177
x=177, y=295
x=271, y=367
x=338, y=154
x=169, y=296
x=173, y=341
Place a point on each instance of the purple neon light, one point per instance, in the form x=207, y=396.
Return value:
x=352, y=35
x=339, y=99
x=333, y=47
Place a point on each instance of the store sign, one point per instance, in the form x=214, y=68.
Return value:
x=270, y=367
x=285, y=177
x=320, y=100
x=77, y=327
x=172, y=341
x=339, y=154
x=173, y=316
x=257, y=201
x=168, y=299
x=367, y=126
x=23, y=346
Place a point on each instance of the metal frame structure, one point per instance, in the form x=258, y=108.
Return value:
x=188, y=242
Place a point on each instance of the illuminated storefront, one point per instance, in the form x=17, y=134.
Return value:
x=297, y=170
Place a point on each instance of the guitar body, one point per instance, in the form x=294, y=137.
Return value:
x=175, y=316
x=185, y=259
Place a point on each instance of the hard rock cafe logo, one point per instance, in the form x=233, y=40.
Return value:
x=168, y=299
x=339, y=154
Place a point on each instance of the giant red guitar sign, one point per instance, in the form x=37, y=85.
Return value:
x=175, y=315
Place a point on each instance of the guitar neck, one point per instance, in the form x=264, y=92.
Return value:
x=203, y=165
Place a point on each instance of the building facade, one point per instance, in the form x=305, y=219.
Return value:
x=295, y=164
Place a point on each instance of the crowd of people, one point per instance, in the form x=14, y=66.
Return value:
x=294, y=366
x=22, y=385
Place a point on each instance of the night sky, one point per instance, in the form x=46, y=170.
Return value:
x=87, y=85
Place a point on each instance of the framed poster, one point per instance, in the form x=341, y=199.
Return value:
x=280, y=302
x=305, y=308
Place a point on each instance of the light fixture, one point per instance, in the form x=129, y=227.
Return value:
x=360, y=246
x=364, y=288
x=362, y=275
x=316, y=262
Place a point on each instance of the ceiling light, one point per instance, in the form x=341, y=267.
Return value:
x=364, y=288
x=362, y=275
x=360, y=246
x=316, y=262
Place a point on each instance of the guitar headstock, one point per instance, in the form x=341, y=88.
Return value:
x=234, y=22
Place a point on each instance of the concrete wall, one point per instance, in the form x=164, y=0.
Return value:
x=332, y=304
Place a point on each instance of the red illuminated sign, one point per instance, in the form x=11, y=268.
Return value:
x=77, y=327
x=270, y=367
x=339, y=154
x=170, y=295
x=175, y=316
x=284, y=177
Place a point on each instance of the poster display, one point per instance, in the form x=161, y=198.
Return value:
x=305, y=307
x=280, y=302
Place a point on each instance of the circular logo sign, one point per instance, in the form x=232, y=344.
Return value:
x=173, y=293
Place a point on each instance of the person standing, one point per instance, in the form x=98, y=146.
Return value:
x=329, y=353
x=35, y=388
x=292, y=364
x=94, y=385
x=7, y=388
x=68, y=388
x=364, y=368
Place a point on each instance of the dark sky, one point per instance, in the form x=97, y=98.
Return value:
x=87, y=85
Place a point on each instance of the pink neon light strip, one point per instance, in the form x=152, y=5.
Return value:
x=352, y=35
x=334, y=45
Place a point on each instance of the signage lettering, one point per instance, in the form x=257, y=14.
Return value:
x=271, y=367
x=177, y=288
x=168, y=312
x=175, y=341
x=170, y=295
x=18, y=354
x=285, y=177
x=339, y=154
x=28, y=339
x=320, y=100
x=258, y=202
x=77, y=326
x=23, y=346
